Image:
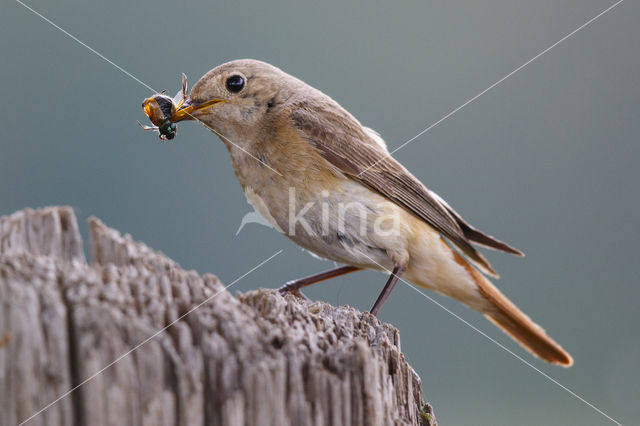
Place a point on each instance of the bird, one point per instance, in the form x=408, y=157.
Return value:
x=330, y=185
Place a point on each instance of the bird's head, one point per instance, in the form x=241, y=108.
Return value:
x=237, y=99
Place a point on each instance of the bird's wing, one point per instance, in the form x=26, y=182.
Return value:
x=342, y=141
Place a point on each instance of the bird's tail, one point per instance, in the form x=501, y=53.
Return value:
x=514, y=322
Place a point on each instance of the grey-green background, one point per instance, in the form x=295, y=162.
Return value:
x=547, y=160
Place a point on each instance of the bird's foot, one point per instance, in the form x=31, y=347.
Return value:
x=292, y=288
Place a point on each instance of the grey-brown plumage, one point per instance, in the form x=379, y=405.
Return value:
x=292, y=145
x=351, y=149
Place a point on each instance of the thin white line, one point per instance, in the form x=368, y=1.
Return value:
x=515, y=355
x=493, y=85
x=86, y=45
x=256, y=267
x=139, y=81
x=93, y=376
x=572, y=393
x=234, y=144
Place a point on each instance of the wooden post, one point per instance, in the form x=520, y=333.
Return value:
x=258, y=359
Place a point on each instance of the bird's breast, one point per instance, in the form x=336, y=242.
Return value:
x=321, y=209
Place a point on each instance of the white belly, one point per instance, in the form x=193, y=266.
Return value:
x=350, y=225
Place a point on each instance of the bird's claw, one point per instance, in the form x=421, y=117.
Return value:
x=287, y=289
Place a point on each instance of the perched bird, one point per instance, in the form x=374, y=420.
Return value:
x=330, y=185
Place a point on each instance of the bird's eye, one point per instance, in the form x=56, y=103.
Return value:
x=235, y=83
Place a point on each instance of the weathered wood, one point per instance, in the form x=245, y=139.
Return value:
x=258, y=359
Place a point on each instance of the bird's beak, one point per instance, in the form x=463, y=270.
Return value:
x=188, y=108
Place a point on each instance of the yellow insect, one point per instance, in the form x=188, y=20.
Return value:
x=164, y=111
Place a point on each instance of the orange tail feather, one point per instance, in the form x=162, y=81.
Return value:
x=515, y=323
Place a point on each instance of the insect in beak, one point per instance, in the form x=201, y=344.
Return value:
x=188, y=108
x=164, y=112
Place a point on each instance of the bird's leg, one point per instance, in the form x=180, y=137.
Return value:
x=386, y=291
x=294, y=286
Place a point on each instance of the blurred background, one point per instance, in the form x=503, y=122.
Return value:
x=547, y=160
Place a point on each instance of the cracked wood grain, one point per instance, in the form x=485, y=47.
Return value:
x=254, y=359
